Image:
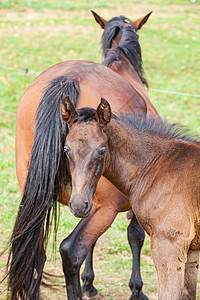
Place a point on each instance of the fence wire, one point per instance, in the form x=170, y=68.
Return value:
x=26, y=71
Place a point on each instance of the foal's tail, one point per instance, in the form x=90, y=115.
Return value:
x=47, y=173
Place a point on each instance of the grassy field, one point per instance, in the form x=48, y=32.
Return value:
x=37, y=34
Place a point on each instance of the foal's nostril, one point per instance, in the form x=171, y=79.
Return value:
x=70, y=205
x=86, y=206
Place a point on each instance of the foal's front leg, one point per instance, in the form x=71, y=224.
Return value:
x=169, y=258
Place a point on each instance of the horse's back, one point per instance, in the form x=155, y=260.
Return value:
x=95, y=81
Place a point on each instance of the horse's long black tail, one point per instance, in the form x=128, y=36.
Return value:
x=47, y=173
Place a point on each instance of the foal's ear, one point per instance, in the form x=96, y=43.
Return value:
x=102, y=22
x=104, y=112
x=67, y=110
x=140, y=22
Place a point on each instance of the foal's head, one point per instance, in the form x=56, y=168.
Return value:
x=85, y=148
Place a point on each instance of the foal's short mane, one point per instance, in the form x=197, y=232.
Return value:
x=151, y=124
x=128, y=44
x=143, y=123
x=85, y=114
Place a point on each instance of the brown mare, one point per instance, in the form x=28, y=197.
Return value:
x=157, y=166
x=41, y=164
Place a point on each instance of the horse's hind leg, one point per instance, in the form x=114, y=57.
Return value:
x=136, y=237
x=88, y=289
x=191, y=275
x=38, y=269
x=32, y=282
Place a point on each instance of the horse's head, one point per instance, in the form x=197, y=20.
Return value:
x=85, y=148
x=120, y=40
x=118, y=23
x=135, y=24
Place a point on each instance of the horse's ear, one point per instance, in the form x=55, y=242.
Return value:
x=102, y=22
x=67, y=110
x=104, y=112
x=140, y=22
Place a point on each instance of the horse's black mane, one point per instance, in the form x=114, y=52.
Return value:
x=128, y=44
x=151, y=124
x=143, y=123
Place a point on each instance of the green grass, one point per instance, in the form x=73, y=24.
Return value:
x=38, y=34
x=82, y=4
x=52, y=4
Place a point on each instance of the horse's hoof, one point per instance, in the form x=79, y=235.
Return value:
x=139, y=296
x=89, y=293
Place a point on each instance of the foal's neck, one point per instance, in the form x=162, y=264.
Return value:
x=131, y=155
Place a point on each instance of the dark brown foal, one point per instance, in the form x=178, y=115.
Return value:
x=157, y=166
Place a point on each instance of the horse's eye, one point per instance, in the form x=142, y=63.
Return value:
x=127, y=21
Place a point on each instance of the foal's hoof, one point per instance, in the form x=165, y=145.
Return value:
x=89, y=292
x=139, y=296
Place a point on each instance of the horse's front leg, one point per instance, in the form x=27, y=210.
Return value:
x=88, y=289
x=191, y=275
x=75, y=247
x=169, y=256
x=136, y=238
x=73, y=253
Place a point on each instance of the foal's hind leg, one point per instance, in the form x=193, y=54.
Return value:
x=88, y=289
x=191, y=275
x=136, y=237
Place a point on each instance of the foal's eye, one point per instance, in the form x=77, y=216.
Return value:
x=67, y=150
x=102, y=150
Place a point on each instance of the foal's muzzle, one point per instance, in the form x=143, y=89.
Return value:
x=81, y=204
